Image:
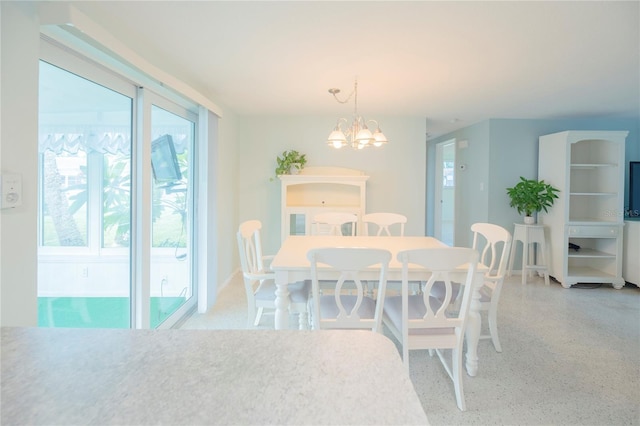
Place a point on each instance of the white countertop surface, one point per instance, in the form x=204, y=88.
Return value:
x=202, y=377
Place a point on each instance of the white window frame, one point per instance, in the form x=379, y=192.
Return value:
x=139, y=250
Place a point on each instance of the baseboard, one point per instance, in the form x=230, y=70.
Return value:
x=228, y=280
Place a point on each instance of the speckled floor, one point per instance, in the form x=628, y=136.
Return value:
x=570, y=356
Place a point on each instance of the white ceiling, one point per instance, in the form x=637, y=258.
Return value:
x=455, y=63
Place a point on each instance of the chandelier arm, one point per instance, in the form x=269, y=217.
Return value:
x=374, y=121
x=357, y=134
x=340, y=121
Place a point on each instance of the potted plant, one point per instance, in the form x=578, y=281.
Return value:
x=290, y=162
x=530, y=196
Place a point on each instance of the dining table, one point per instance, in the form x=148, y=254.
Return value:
x=290, y=265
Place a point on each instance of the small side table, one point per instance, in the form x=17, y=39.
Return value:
x=531, y=261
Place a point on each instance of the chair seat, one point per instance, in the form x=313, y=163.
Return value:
x=329, y=308
x=298, y=292
x=417, y=309
x=438, y=290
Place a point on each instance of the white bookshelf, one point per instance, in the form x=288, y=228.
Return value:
x=588, y=169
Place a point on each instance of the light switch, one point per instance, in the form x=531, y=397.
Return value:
x=11, y=184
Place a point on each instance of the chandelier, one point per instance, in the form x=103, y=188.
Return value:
x=357, y=135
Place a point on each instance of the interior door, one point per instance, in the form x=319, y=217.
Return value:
x=445, y=191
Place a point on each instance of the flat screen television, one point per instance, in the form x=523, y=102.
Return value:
x=634, y=188
x=164, y=161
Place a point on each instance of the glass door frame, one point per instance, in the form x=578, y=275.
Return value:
x=141, y=175
x=142, y=201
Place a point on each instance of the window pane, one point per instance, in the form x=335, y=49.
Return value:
x=171, y=159
x=85, y=129
x=64, y=198
x=116, y=198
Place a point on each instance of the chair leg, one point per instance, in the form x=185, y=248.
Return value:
x=251, y=315
x=258, y=317
x=493, y=328
x=456, y=362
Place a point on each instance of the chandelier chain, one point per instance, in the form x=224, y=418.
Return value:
x=334, y=92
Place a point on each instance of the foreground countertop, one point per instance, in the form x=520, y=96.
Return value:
x=202, y=377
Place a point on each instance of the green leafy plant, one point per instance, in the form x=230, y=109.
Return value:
x=531, y=196
x=289, y=158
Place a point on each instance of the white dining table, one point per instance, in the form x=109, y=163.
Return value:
x=291, y=265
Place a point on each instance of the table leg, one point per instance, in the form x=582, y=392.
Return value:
x=282, y=301
x=474, y=324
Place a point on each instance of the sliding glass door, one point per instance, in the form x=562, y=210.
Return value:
x=85, y=202
x=172, y=189
x=94, y=195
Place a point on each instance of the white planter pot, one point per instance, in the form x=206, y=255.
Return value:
x=295, y=168
x=529, y=220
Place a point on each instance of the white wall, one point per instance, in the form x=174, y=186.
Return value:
x=224, y=165
x=471, y=203
x=20, y=38
x=499, y=152
x=397, y=171
x=19, y=136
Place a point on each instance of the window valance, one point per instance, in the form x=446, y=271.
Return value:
x=102, y=140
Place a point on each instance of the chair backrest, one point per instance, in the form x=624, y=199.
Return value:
x=250, y=248
x=444, y=265
x=384, y=221
x=343, y=310
x=331, y=223
x=494, y=244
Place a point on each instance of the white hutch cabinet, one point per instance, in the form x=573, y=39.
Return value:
x=318, y=189
x=631, y=259
x=588, y=169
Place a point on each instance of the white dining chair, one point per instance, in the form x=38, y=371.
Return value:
x=420, y=321
x=348, y=307
x=259, y=282
x=384, y=223
x=333, y=223
x=493, y=242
